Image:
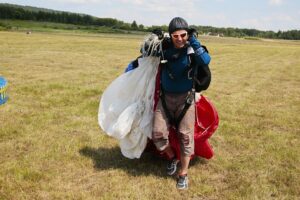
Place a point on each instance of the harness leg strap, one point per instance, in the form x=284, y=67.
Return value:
x=172, y=120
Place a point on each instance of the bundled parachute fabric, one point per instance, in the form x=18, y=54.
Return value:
x=126, y=107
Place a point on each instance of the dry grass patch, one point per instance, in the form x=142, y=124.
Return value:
x=52, y=148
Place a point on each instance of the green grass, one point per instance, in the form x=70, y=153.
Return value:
x=52, y=147
x=37, y=26
x=251, y=38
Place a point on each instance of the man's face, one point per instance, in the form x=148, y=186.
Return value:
x=179, y=38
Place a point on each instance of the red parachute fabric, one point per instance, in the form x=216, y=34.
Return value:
x=206, y=123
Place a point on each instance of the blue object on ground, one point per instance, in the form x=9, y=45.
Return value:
x=3, y=87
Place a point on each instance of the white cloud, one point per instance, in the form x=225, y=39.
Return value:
x=79, y=1
x=273, y=22
x=275, y=2
x=134, y=2
x=157, y=12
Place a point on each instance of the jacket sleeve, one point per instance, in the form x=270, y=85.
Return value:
x=133, y=64
x=201, y=54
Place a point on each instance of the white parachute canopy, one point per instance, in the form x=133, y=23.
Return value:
x=126, y=106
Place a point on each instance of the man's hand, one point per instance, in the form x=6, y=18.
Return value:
x=192, y=32
x=159, y=33
x=194, y=42
x=166, y=43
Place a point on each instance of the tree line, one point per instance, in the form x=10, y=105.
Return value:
x=242, y=32
x=10, y=11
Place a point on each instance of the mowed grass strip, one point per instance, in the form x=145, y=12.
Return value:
x=52, y=147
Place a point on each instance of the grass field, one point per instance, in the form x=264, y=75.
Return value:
x=51, y=146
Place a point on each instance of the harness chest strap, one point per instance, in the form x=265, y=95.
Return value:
x=176, y=121
x=189, y=66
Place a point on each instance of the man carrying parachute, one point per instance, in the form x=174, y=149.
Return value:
x=156, y=100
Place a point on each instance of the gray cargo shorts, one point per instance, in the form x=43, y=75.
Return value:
x=175, y=104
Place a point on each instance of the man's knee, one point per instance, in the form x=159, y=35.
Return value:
x=186, y=140
x=160, y=140
x=187, y=143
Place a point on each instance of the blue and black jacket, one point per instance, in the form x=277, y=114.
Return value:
x=178, y=73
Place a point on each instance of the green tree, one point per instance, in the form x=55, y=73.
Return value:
x=134, y=25
x=141, y=27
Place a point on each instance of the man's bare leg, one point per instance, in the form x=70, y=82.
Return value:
x=185, y=160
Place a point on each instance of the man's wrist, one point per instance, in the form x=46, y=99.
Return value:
x=194, y=43
x=200, y=50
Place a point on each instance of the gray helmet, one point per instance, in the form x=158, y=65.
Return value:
x=178, y=23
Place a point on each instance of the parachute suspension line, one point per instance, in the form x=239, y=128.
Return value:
x=151, y=46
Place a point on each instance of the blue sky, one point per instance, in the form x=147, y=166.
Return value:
x=259, y=14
